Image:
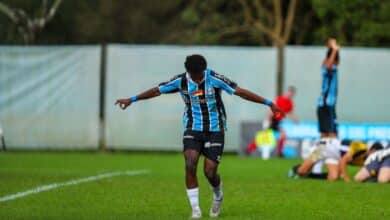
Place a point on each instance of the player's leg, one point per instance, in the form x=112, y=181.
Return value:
x=191, y=162
x=211, y=173
x=384, y=175
x=333, y=122
x=213, y=152
x=317, y=154
x=362, y=175
x=275, y=126
x=305, y=167
x=333, y=171
x=333, y=157
x=323, y=116
x=192, y=145
x=384, y=171
x=281, y=140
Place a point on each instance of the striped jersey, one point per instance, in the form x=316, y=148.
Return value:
x=204, y=109
x=329, y=86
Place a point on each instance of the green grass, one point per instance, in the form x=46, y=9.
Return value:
x=254, y=189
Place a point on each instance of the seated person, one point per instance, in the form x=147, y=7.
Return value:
x=376, y=167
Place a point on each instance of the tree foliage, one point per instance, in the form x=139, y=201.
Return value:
x=353, y=22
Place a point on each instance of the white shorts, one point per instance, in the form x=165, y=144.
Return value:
x=326, y=150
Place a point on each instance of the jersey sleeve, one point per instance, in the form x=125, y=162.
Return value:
x=171, y=86
x=220, y=81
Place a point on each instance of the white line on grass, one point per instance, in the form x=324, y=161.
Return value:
x=72, y=182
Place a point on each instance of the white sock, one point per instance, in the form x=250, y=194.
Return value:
x=193, y=196
x=218, y=194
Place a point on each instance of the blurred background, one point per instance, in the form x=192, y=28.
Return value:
x=64, y=63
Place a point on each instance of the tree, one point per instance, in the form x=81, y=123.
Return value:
x=270, y=22
x=29, y=26
x=356, y=23
x=278, y=28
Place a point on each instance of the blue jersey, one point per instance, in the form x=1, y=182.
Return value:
x=204, y=110
x=329, y=86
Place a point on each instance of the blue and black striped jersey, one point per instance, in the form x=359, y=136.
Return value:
x=204, y=110
x=329, y=86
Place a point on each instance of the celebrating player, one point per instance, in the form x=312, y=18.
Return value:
x=204, y=121
x=326, y=148
x=326, y=110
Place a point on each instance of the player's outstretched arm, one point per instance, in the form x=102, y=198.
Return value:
x=250, y=96
x=151, y=93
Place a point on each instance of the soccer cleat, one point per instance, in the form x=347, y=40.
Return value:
x=291, y=174
x=196, y=213
x=215, y=209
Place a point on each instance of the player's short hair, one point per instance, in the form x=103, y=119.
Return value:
x=195, y=64
x=376, y=146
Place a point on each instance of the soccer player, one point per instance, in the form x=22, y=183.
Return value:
x=286, y=104
x=326, y=110
x=356, y=154
x=376, y=166
x=351, y=153
x=204, y=120
x=326, y=148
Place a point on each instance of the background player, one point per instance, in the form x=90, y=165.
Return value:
x=376, y=166
x=286, y=104
x=204, y=120
x=326, y=110
x=326, y=148
x=356, y=155
x=351, y=153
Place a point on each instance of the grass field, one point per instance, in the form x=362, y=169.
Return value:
x=254, y=189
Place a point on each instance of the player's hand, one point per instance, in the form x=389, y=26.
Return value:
x=334, y=45
x=123, y=103
x=347, y=179
x=277, y=112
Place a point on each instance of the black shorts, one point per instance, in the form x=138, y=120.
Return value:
x=327, y=119
x=275, y=125
x=210, y=144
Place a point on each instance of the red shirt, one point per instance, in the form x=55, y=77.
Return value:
x=284, y=104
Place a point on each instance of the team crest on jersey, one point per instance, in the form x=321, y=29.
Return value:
x=197, y=93
x=210, y=91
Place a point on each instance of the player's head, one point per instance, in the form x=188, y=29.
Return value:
x=291, y=91
x=375, y=147
x=195, y=64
